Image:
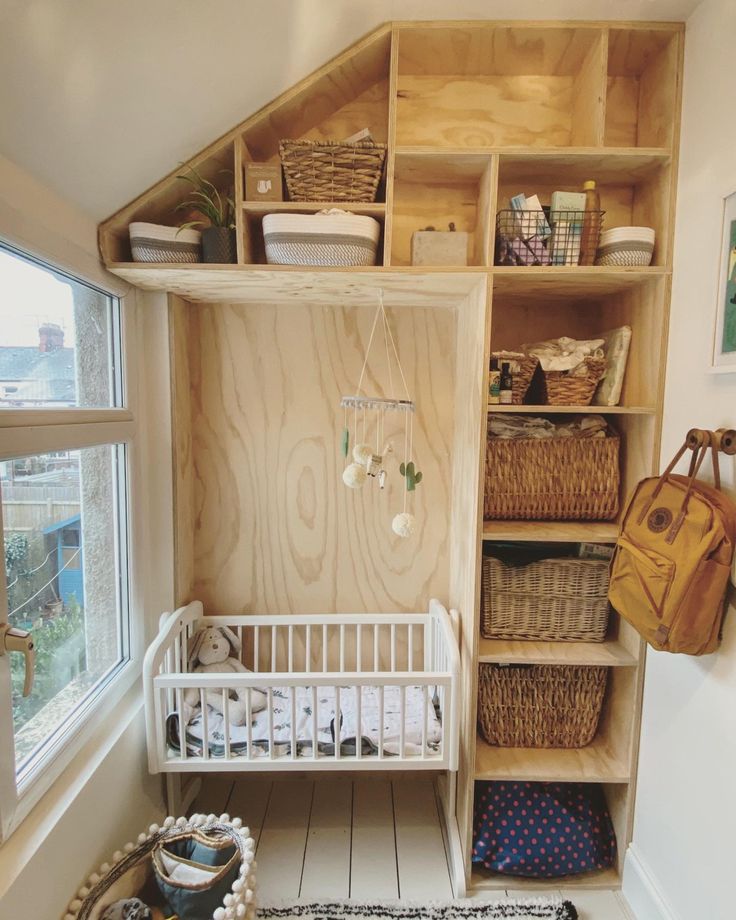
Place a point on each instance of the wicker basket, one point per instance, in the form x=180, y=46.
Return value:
x=331, y=171
x=522, y=372
x=564, y=389
x=564, y=479
x=547, y=706
x=556, y=600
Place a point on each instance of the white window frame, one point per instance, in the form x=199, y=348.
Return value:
x=34, y=431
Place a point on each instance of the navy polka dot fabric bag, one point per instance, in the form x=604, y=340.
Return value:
x=542, y=830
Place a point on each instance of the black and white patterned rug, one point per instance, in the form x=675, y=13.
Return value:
x=546, y=908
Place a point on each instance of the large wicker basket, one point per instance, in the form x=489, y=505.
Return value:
x=562, y=388
x=556, y=600
x=544, y=706
x=534, y=479
x=331, y=171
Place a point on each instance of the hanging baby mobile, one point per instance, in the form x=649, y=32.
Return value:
x=365, y=417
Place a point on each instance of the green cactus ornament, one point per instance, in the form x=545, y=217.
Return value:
x=411, y=474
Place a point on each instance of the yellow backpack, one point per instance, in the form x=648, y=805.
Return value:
x=672, y=562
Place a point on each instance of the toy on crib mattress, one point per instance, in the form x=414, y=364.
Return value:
x=132, y=909
x=214, y=650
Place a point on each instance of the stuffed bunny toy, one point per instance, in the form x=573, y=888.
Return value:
x=128, y=909
x=215, y=650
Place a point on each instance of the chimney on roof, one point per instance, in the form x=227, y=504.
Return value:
x=50, y=337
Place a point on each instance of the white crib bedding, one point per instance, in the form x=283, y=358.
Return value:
x=326, y=707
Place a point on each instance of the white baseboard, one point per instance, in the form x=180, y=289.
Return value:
x=643, y=896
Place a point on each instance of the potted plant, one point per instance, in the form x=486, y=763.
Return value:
x=218, y=213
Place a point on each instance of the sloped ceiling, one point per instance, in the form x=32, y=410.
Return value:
x=101, y=98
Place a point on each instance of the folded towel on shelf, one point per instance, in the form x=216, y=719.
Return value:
x=530, y=426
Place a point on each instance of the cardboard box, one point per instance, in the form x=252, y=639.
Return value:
x=439, y=247
x=263, y=182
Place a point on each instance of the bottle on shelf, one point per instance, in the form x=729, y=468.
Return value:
x=494, y=383
x=506, y=394
x=591, y=224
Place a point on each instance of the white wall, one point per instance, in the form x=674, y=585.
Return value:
x=685, y=829
x=105, y=796
x=101, y=100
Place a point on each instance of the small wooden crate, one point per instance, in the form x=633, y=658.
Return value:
x=546, y=706
x=555, y=600
x=563, y=479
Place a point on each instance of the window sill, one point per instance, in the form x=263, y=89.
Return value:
x=49, y=798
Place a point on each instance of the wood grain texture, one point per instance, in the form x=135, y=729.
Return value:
x=589, y=95
x=467, y=513
x=598, y=762
x=182, y=456
x=274, y=285
x=276, y=531
x=609, y=653
x=533, y=111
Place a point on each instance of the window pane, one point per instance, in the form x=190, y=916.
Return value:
x=56, y=336
x=63, y=557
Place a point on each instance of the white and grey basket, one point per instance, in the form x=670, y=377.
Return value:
x=331, y=237
x=156, y=243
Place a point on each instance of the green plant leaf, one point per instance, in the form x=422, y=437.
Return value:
x=418, y=478
x=402, y=469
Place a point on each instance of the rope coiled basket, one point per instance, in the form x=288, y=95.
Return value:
x=555, y=600
x=332, y=171
x=542, y=706
x=547, y=479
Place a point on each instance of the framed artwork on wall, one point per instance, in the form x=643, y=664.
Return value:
x=724, y=335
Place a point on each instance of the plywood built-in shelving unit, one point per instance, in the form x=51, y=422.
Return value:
x=472, y=112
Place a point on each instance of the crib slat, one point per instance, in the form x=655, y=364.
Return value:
x=308, y=652
x=291, y=648
x=324, y=648
x=376, y=658
x=226, y=720
x=381, y=720
x=205, y=725
x=249, y=722
x=393, y=646
x=425, y=710
x=402, y=724
x=342, y=647
x=182, y=726
x=358, y=722
x=270, y=723
x=410, y=650
x=239, y=633
x=274, y=631
x=293, y=722
x=338, y=752
x=359, y=648
x=315, y=738
x=256, y=648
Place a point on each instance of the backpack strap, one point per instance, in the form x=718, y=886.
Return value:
x=701, y=454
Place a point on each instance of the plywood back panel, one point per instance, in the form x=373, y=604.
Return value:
x=275, y=530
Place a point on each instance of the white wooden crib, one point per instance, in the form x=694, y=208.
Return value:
x=344, y=692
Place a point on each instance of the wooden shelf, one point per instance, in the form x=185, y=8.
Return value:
x=485, y=880
x=571, y=410
x=552, y=531
x=372, y=209
x=610, y=653
x=569, y=280
x=595, y=763
x=263, y=284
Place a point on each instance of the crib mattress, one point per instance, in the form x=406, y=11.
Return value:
x=326, y=725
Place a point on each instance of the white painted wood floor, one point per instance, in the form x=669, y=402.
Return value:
x=366, y=839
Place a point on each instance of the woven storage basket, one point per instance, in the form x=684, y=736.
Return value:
x=524, y=365
x=549, y=706
x=563, y=389
x=331, y=171
x=557, y=600
x=547, y=479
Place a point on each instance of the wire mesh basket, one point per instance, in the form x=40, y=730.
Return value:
x=546, y=238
